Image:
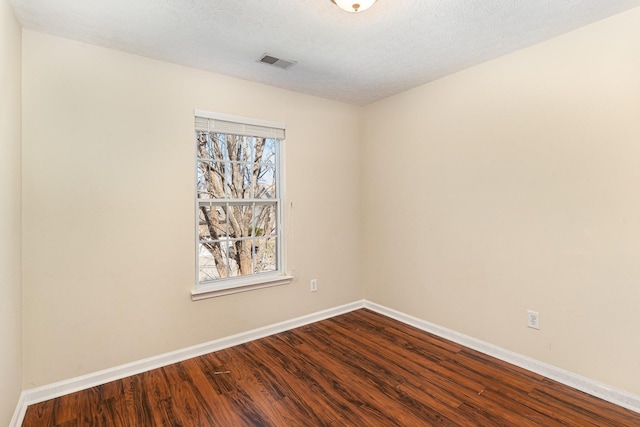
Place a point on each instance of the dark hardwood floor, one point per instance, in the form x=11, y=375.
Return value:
x=358, y=369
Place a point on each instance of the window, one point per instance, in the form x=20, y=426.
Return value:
x=239, y=242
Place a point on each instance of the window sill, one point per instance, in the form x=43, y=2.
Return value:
x=212, y=291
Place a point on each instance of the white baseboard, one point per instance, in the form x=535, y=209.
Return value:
x=18, y=414
x=589, y=386
x=51, y=391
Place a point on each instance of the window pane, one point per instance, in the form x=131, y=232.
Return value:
x=238, y=175
x=209, y=180
x=247, y=178
x=264, y=220
x=207, y=265
x=265, y=180
x=268, y=153
x=235, y=148
x=240, y=220
x=219, y=146
x=229, y=252
x=201, y=184
x=209, y=146
x=212, y=223
x=265, y=255
x=243, y=257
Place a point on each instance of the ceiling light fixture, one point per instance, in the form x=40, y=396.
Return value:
x=354, y=5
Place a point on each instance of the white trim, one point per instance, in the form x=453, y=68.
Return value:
x=281, y=259
x=51, y=391
x=21, y=410
x=204, y=291
x=239, y=119
x=587, y=385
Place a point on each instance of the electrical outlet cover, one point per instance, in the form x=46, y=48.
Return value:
x=533, y=319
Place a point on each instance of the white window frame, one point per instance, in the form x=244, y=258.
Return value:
x=253, y=281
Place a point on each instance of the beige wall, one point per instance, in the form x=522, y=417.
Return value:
x=108, y=207
x=10, y=212
x=515, y=185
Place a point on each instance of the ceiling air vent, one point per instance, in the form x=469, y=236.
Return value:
x=276, y=62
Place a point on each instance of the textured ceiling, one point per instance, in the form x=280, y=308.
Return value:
x=355, y=58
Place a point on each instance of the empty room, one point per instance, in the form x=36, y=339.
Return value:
x=301, y=213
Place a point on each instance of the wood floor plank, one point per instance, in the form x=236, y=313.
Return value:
x=189, y=409
x=135, y=401
x=241, y=400
x=358, y=369
x=63, y=412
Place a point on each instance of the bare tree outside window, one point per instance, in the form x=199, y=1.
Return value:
x=237, y=202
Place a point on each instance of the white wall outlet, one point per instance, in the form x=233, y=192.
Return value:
x=314, y=285
x=533, y=319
